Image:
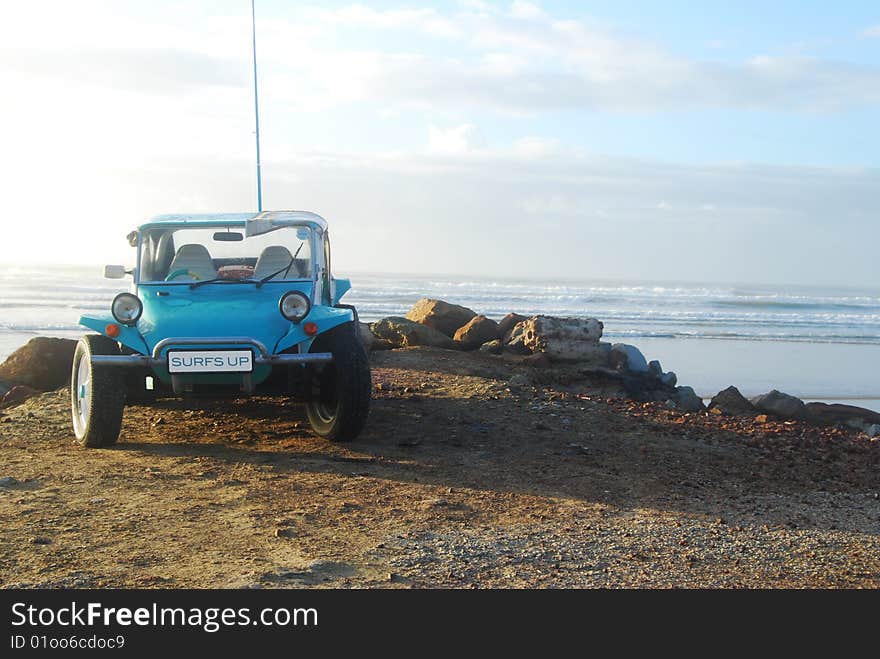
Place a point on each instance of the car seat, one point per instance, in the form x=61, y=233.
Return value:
x=195, y=261
x=273, y=259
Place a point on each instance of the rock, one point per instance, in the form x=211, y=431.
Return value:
x=381, y=344
x=731, y=402
x=42, y=363
x=537, y=360
x=625, y=357
x=508, y=322
x=493, y=347
x=836, y=413
x=687, y=400
x=780, y=404
x=762, y=418
x=440, y=315
x=873, y=430
x=565, y=339
x=8, y=481
x=515, y=341
x=403, y=333
x=476, y=332
x=655, y=369
x=17, y=395
x=366, y=336
x=669, y=379
x=4, y=388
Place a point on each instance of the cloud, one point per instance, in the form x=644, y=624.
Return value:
x=453, y=141
x=872, y=32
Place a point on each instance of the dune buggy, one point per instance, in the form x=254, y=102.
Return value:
x=227, y=303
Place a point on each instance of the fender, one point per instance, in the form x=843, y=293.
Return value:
x=128, y=336
x=326, y=318
x=341, y=287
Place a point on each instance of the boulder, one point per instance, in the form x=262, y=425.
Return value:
x=565, y=339
x=669, y=379
x=403, y=333
x=830, y=415
x=508, y=322
x=731, y=402
x=440, y=315
x=780, y=404
x=625, y=357
x=655, y=369
x=4, y=387
x=686, y=400
x=494, y=347
x=366, y=336
x=476, y=332
x=42, y=363
x=873, y=430
x=18, y=394
x=514, y=342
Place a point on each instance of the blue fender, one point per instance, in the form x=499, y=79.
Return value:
x=343, y=286
x=128, y=336
x=326, y=318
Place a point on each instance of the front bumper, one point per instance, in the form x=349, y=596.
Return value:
x=262, y=357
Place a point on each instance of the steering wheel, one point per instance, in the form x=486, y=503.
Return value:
x=181, y=271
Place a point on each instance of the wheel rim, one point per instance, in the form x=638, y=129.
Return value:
x=325, y=397
x=82, y=395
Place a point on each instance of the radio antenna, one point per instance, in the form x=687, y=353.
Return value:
x=256, y=110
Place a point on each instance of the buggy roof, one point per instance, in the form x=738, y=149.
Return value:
x=274, y=218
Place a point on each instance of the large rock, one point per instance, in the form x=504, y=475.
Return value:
x=4, y=387
x=403, y=333
x=625, y=357
x=732, y=402
x=837, y=413
x=18, y=394
x=42, y=363
x=506, y=324
x=476, y=332
x=493, y=347
x=565, y=339
x=514, y=341
x=440, y=315
x=686, y=400
x=780, y=404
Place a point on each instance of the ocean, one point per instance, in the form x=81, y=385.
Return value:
x=816, y=343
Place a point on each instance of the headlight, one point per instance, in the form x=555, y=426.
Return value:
x=126, y=308
x=294, y=306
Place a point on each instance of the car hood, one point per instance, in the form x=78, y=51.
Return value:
x=214, y=310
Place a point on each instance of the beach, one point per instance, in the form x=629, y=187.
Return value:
x=814, y=343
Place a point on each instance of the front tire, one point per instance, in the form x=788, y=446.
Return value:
x=339, y=403
x=97, y=394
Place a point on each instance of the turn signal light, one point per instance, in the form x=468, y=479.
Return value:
x=112, y=330
x=310, y=328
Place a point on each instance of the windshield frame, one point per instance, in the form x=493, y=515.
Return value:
x=314, y=266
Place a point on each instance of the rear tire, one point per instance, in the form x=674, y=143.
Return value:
x=339, y=403
x=97, y=394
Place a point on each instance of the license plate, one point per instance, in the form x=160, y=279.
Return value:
x=210, y=361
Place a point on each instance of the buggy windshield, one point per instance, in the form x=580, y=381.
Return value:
x=186, y=254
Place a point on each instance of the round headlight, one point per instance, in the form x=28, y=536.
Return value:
x=294, y=306
x=126, y=308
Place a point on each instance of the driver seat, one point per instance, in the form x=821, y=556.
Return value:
x=272, y=259
x=196, y=260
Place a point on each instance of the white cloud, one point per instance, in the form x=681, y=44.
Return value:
x=459, y=140
x=872, y=32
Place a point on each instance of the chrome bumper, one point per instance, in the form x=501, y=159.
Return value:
x=262, y=357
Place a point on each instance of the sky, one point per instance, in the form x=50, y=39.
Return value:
x=723, y=142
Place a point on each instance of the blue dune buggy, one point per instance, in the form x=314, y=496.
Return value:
x=225, y=303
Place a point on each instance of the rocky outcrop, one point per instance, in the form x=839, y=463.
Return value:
x=731, y=402
x=493, y=347
x=838, y=414
x=403, y=333
x=439, y=315
x=514, y=342
x=477, y=331
x=780, y=404
x=508, y=322
x=42, y=363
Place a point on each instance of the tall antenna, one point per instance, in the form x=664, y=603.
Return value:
x=256, y=110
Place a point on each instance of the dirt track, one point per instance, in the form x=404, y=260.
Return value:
x=459, y=481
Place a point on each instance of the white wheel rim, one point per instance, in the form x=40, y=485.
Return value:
x=82, y=395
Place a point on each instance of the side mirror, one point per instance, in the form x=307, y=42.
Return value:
x=114, y=271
